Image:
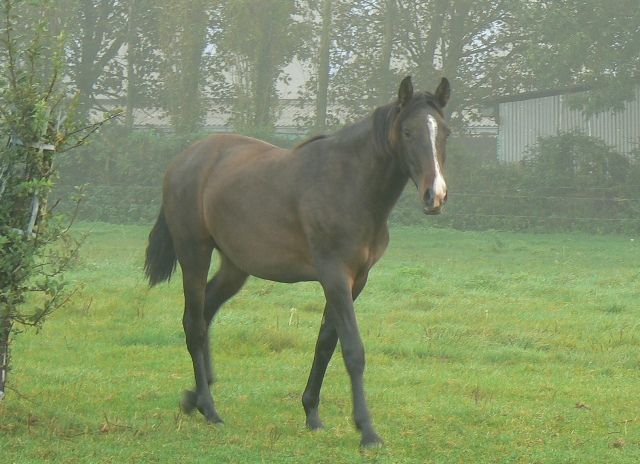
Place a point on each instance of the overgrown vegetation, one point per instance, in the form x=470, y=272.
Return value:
x=36, y=120
x=481, y=347
x=568, y=182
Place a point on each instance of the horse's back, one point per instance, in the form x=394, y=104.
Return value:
x=202, y=157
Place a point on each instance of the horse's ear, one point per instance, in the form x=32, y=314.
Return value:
x=405, y=92
x=443, y=92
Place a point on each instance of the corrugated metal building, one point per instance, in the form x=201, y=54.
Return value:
x=525, y=117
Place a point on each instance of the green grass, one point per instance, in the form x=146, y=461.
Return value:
x=481, y=347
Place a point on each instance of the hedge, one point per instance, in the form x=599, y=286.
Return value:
x=567, y=182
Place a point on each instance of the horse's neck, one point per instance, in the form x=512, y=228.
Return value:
x=388, y=182
x=375, y=169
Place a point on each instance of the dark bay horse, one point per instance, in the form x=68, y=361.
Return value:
x=317, y=212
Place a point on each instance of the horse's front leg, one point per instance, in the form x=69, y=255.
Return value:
x=338, y=291
x=325, y=346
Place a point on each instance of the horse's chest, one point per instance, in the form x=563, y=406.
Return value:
x=374, y=248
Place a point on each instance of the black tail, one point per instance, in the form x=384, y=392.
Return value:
x=160, y=260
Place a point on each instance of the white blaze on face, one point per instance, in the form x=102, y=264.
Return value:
x=439, y=185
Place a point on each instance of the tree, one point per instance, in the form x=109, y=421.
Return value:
x=473, y=43
x=97, y=35
x=183, y=27
x=141, y=56
x=35, y=112
x=260, y=38
x=112, y=52
x=501, y=47
x=323, y=66
x=362, y=56
x=584, y=42
x=485, y=48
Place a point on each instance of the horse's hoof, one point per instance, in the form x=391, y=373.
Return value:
x=189, y=401
x=313, y=420
x=214, y=420
x=371, y=441
x=315, y=424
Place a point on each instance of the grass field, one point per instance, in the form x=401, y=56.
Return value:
x=481, y=347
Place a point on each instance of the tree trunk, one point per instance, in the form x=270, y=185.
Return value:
x=455, y=42
x=99, y=45
x=85, y=74
x=263, y=83
x=385, y=84
x=5, y=333
x=323, y=67
x=193, y=44
x=131, y=84
x=264, y=71
x=434, y=37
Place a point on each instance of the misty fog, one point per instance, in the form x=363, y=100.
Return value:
x=545, y=105
x=488, y=340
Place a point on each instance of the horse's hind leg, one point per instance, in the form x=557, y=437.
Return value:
x=226, y=283
x=325, y=346
x=195, y=259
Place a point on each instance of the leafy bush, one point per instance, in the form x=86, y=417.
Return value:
x=38, y=120
x=120, y=174
x=576, y=161
x=567, y=182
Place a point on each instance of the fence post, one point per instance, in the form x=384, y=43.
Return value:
x=5, y=333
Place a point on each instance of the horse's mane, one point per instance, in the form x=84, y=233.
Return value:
x=383, y=119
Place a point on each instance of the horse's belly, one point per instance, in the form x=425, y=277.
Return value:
x=284, y=272
x=266, y=244
x=265, y=259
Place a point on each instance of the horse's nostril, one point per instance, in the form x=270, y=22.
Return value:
x=429, y=196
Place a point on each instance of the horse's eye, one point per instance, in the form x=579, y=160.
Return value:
x=406, y=133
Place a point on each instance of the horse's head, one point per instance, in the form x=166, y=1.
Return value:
x=420, y=136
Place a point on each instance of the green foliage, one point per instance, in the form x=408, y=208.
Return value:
x=573, y=160
x=120, y=174
x=481, y=348
x=37, y=120
x=183, y=38
x=180, y=55
x=584, y=42
x=119, y=158
x=258, y=40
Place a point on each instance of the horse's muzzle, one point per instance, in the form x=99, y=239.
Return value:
x=432, y=211
x=434, y=203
